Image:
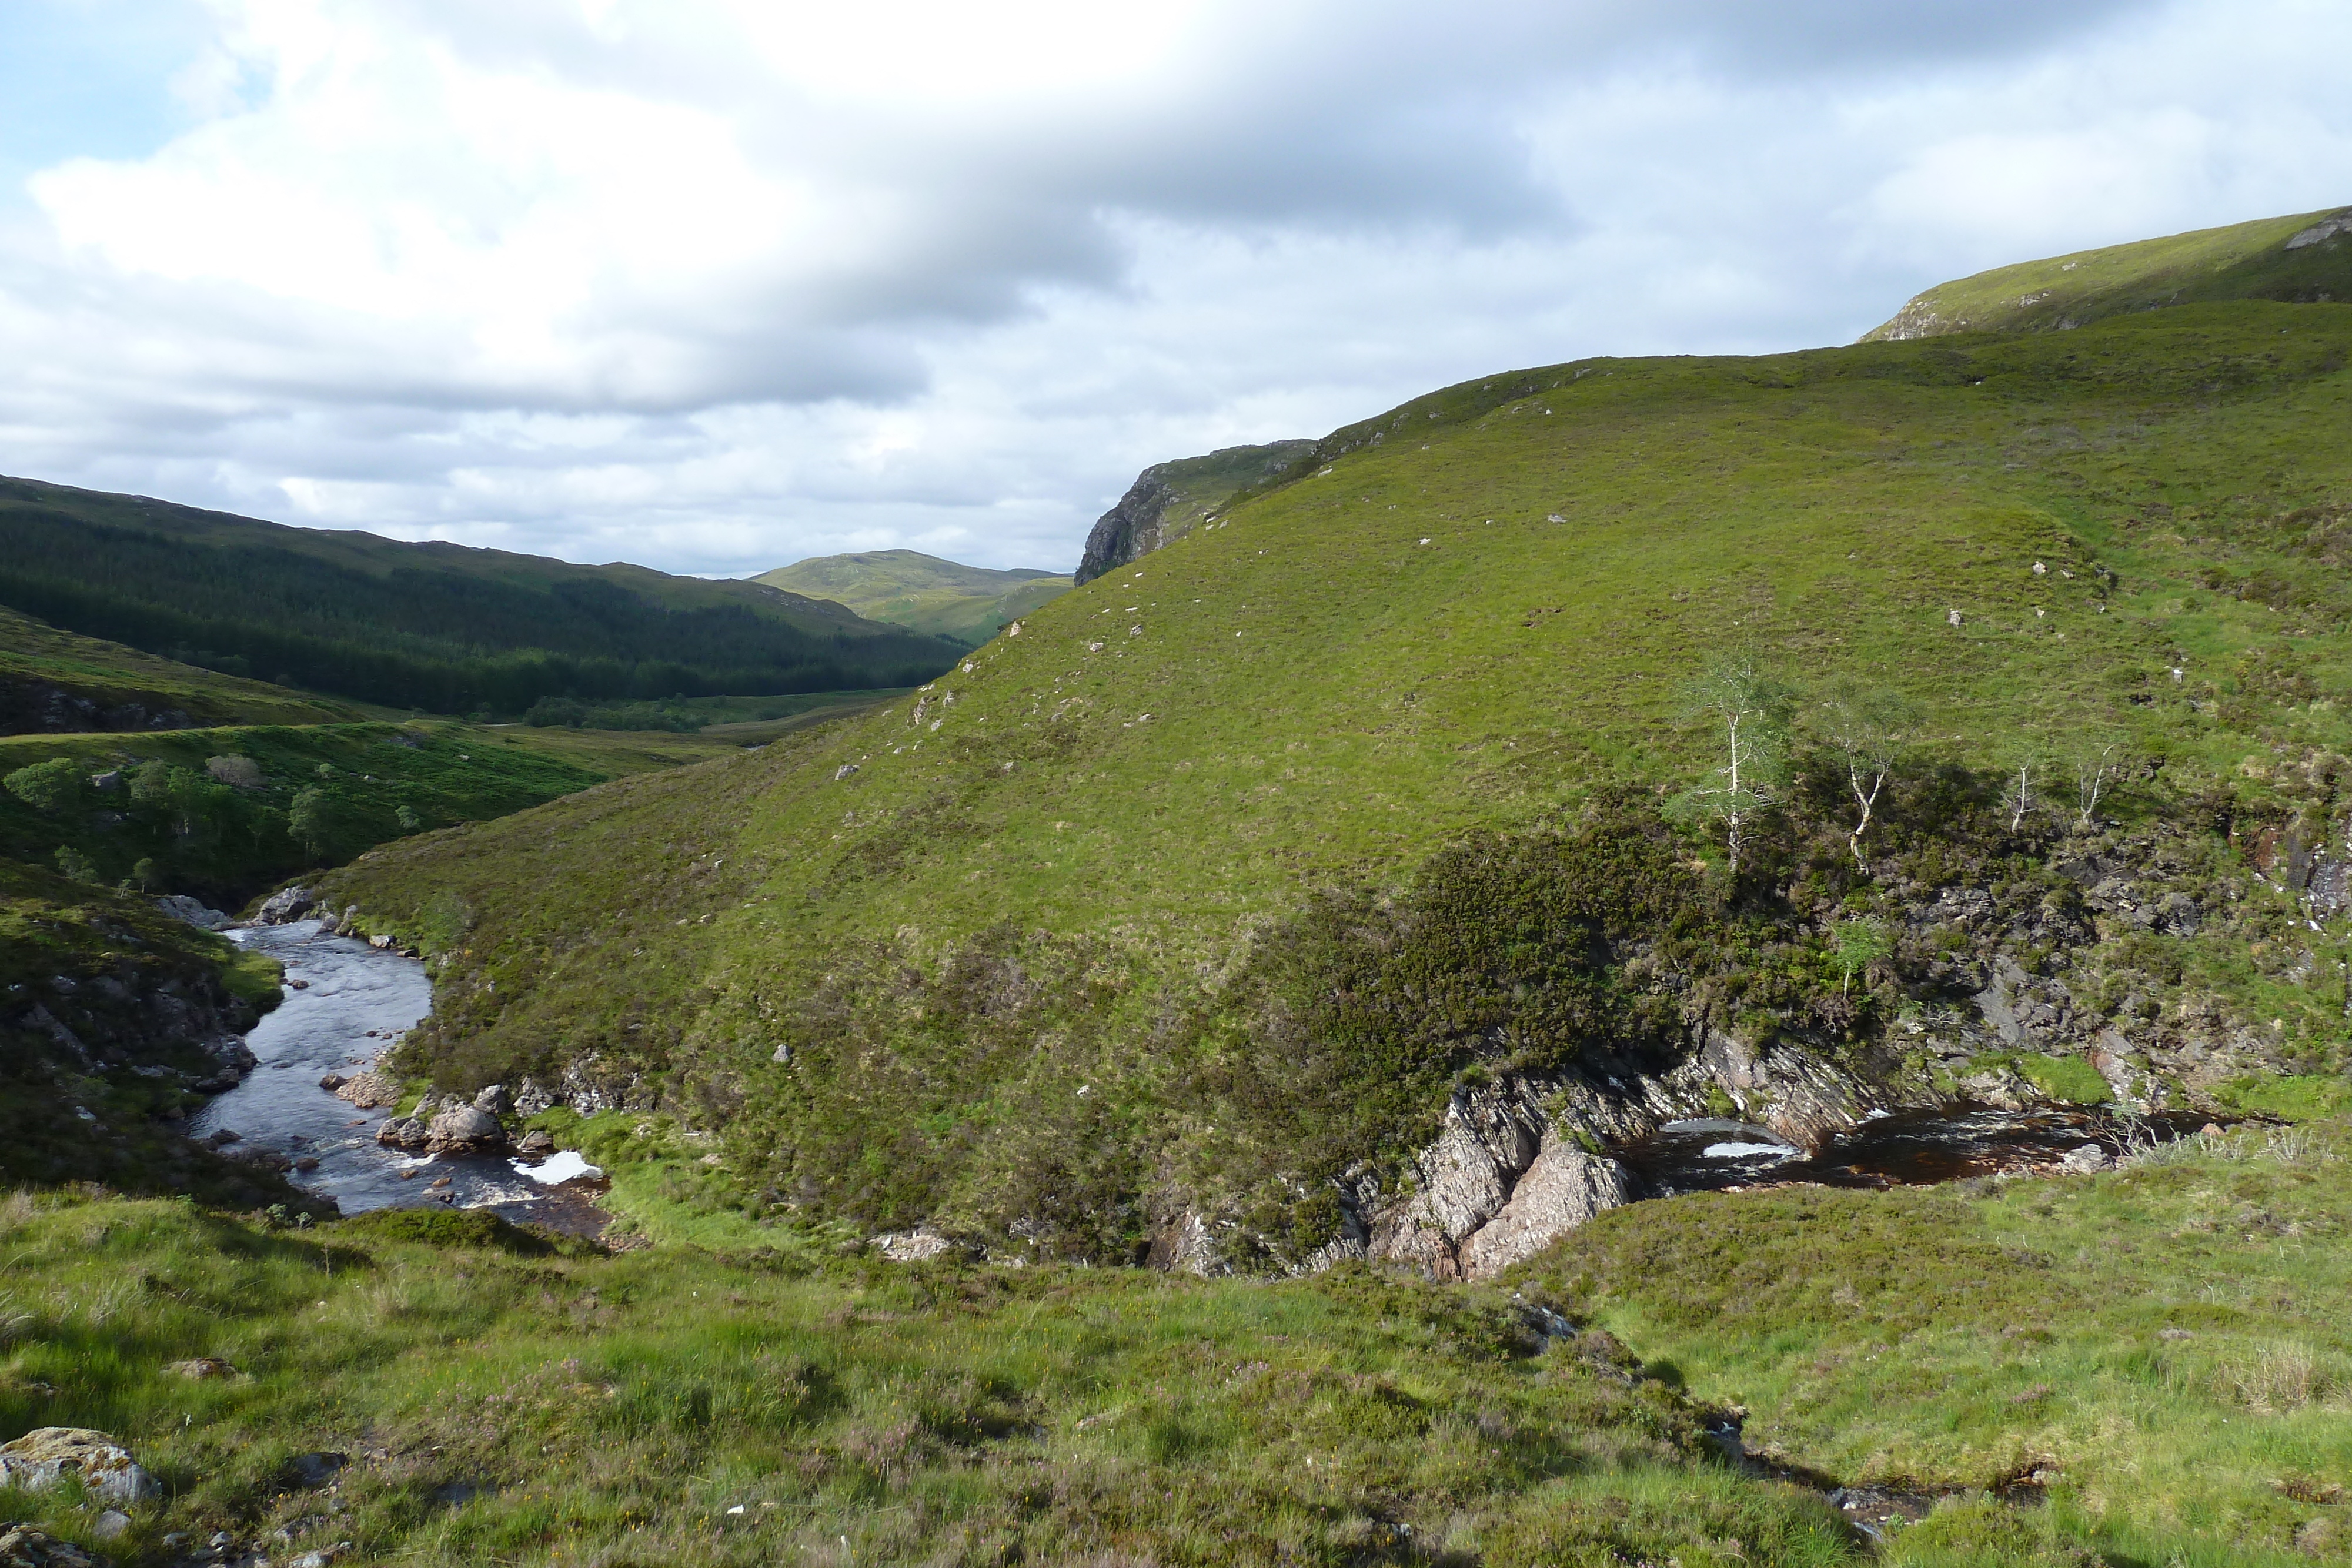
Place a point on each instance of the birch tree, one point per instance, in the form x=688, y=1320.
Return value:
x=1871, y=730
x=1752, y=710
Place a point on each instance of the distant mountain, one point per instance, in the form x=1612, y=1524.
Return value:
x=2303, y=260
x=1168, y=500
x=921, y=592
x=435, y=626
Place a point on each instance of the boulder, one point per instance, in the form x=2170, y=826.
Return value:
x=535, y=1143
x=41, y=1458
x=467, y=1130
x=285, y=905
x=913, y=1246
x=22, y=1546
x=493, y=1099
x=196, y=912
x=2085, y=1159
x=202, y=1367
x=402, y=1133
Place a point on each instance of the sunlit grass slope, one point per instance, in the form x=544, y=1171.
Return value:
x=2307, y=258
x=888, y=952
x=499, y=1403
x=1353, y=668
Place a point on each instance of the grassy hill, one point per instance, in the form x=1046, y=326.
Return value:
x=2305, y=260
x=1203, y=897
x=437, y=627
x=1116, y=852
x=968, y=604
x=54, y=681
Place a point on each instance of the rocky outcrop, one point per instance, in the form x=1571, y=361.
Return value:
x=47, y=1454
x=365, y=1089
x=1559, y=1191
x=1168, y=500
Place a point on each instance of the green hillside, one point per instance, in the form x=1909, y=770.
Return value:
x=55, y=681
x=2303, y=259
x=968, y=604
x=1365, y=842
x=438, y=627
x=1141, y=848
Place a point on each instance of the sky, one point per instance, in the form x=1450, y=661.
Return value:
x=715, y=285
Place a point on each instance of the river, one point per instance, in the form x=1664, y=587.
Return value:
x=346, y=1003
x=1904, y=1148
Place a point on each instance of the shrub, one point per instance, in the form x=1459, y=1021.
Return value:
x=52, y=786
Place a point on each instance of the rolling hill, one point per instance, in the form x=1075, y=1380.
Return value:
x=966, y=605
x=1181, y=923
x=438, y=627
x=2305, y=259
x=1343, y=882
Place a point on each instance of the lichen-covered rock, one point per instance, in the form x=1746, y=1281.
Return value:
x=43, y=1456
x=22, y=1546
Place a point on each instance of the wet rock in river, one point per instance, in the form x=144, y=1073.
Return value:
x=44, y=1455
x=536, y=1143
x=467, y=1130
x=402, y=1133
x=286, y=905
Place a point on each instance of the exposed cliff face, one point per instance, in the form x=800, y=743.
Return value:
x=1169, y=500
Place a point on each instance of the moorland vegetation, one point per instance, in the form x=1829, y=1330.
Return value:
x=1230, y=912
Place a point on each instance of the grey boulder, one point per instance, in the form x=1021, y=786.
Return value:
x=467, y=1130
x=43, y=1456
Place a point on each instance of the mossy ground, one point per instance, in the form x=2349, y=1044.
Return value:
x=503, y=1405
x=2163, y=1343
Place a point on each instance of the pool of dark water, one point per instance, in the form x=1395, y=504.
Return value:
x=1904, y=1148
x=352, y=1003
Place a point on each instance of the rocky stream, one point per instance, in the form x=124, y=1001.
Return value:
x=346, y=1003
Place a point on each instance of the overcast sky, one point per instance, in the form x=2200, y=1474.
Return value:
x=714, y=284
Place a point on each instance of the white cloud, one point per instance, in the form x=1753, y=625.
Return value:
x=714, y=284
